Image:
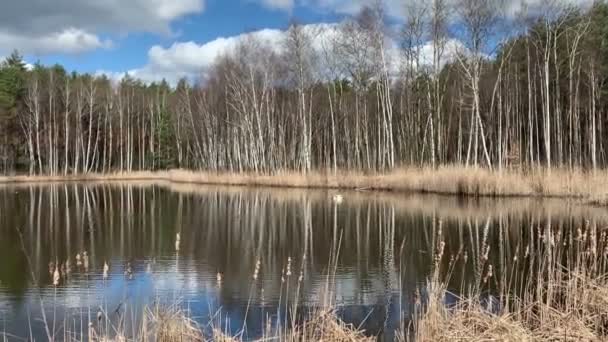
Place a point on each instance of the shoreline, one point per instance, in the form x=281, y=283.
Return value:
x=450, y=181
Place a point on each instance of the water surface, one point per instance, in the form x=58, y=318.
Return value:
x=374, y=252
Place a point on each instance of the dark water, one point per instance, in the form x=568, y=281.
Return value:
x=374, y=252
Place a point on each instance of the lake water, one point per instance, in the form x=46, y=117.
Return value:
x=371, y=255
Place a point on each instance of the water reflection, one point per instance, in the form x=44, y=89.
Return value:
x=201, y=246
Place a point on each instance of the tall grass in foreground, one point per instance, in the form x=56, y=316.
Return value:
x=555, y=288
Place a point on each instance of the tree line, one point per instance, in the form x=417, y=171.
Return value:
x=365, y=97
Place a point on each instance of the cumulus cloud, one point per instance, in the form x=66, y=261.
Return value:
x=519, y=7
x=193, y=61
x=397, y=8
x=392, y=8
x=74, y=26
x=284, y=5
x=69, y=41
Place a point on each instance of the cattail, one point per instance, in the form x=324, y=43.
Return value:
x=268, y=325
x=99, y=316
x=489, y=274
x=51, y=268
x=129, y=271
x=487, y=253
x=106, y=269
x=465, y=258
x=78, y=261
x=92, y=333
x=440, y=229
x=85, y=260
x=257, y=270
x=440, y=251
x=56, y=277
x=579, y=234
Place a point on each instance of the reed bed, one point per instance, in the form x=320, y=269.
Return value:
x=554, y=289
x=453, y=180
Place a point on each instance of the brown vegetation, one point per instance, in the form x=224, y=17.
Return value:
x=444, y=180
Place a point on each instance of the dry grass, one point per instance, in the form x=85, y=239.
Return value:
x=454, y=180
x=170, y=325
x=561, y=296
x=324, y=325
x=468, y=322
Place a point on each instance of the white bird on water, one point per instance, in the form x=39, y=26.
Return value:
x=338, y=199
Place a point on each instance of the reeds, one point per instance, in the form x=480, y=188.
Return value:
x=455, y=180
x=556, y=289
x=170, y=324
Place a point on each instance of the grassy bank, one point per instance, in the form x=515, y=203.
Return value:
x=445, y=180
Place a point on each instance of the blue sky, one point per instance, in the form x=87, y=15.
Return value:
x=153, y=39
x=109, y=36
x=220, y=18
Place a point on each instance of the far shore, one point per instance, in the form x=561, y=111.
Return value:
x=453, y=180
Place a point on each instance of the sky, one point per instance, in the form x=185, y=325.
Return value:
x=156, y=39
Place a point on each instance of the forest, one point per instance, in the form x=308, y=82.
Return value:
x=520, y=91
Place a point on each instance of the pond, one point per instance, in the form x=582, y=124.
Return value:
x=240, y=258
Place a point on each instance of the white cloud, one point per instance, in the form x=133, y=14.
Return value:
x=393, y=8
x=397, y=8
x=517, y=7
x=171, y=9
x=284, y=5
x=69, y=41
x=451, y=50
x=115, y=77
x=191, y=60
x=74, y=26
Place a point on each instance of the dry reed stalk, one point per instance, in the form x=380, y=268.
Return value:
x=170, y=324
x=324, y=325
x=454, y=180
